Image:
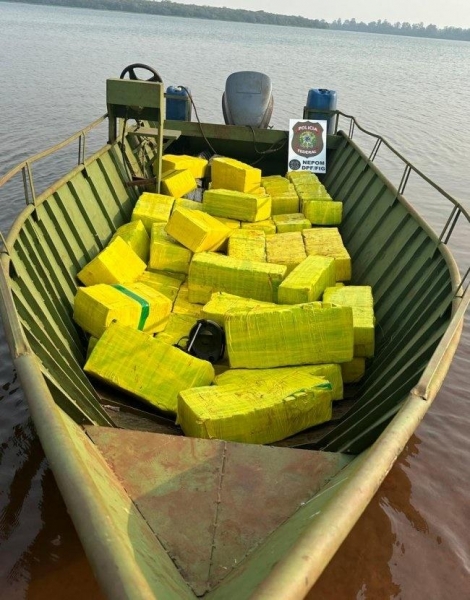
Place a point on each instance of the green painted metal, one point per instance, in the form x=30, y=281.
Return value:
x=420, y=306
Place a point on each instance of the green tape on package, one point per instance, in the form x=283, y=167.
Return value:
x=145, y=307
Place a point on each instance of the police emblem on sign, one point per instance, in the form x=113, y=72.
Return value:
x=307, y=139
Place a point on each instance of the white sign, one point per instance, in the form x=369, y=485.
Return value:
x=307, y=145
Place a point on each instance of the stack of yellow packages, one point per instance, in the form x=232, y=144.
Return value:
x=152, y=208
x=210, y=272
x=221, y=303
x=183, y=306
x=135, y=234
x=359, y=298
x=117, y=263
x=286, y=223
x=177, y=162
x=231, y=174
x=267, y=226
x=167, y=284
x=244, y=377
x=196, y=230
x=247, y=244
x=262, y=413
x=133, y=304
x=236, y=205
x=323, y=212
x=166, y=254
x=145, y=367
x=285, y=249
x=178, y=183
x=327, y=241
x=278, y=336
x=308, y=281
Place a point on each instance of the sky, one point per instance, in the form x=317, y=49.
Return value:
x=439, y=12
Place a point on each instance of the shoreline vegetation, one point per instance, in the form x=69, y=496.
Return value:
x=175, y=9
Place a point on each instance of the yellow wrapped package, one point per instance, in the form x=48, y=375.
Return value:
x=176, y=162
x=166, y=254
x=285, y=203
x=237, y=205
x=267, y=226
x=299, y=177
x=354, y=370
x=221, y=302
x=186, y=203
x=247, y=244
x=145, y=367
x=152, y=208
x=327, y=241
x=136, y=305
x=285, y=249
x=291, y=222
x=260, y=414
x=136, y=236
x=275, y=184
x=197, y=230
x=231, y=174
x=183, y=306
x=178, y=183
x=308, y=281
x=359, y=298
x=323, y=212
x=210, y=272
x=177, y=328
x=117, y=263
x=166, y=284
x=281, y=336
x=245, y=377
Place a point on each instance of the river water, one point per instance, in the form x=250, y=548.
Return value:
x=413, y=540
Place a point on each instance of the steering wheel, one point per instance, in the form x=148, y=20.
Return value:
x=130, y=70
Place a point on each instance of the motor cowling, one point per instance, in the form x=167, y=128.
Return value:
x=248, y=99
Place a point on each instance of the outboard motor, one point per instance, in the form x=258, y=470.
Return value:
x=248, y=99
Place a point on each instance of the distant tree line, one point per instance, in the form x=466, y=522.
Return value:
x=175, y=9
x=412, y=29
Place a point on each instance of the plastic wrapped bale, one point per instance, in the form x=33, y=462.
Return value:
x=183, y=306
x=177, y=328
x=323, y=212
x=166, y=254
x=136, y=305
x=275, y=184
x=210, y=272
x=285, y=249
x=220, y=303
x=231, y=174
x=244, y=377
x=281, y=336
x=308, y=280
x=237, y=205
x=302, y=176
x=327, y=241
x=354, y=370
x=267, y=226
x=186, y=203
x=291, y=222
x=166, y=284
x=177, y=162
x=255, y=414
x=285, y=203
x=152, y=208
x=117, y=263
x=136, y=236
x=359, y=298
x=197, y=230
x=178, y=183
x=145, y=367
x=247, y=244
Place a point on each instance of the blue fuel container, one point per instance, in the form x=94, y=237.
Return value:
x=178, y=103
x=321, y=100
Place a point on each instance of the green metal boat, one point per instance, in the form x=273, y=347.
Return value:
x=161, y=515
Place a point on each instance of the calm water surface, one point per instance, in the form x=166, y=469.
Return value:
x=413, y=540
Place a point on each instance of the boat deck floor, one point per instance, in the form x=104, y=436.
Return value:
x=209, y=502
